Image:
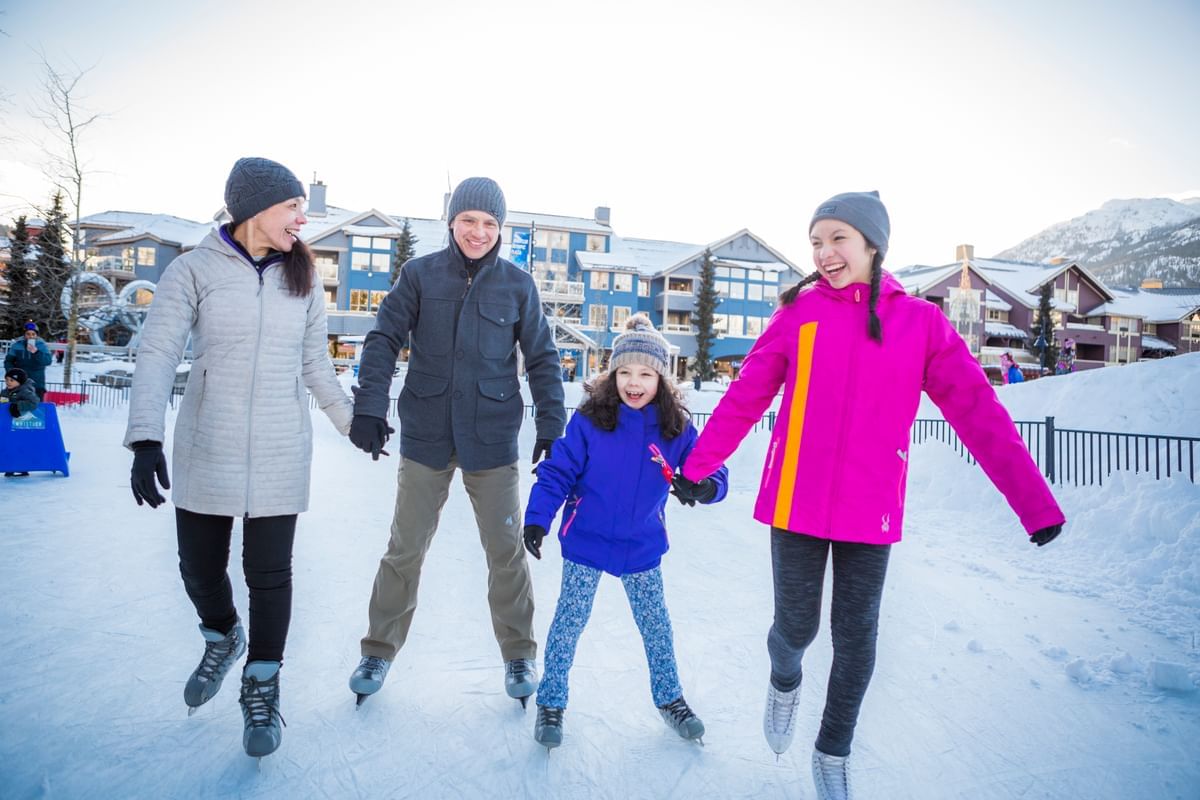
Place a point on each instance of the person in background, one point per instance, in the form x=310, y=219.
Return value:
x=32, y=355
x=465, y=311
x=852, y=352
x=249, y=298
x=1066, y=358
x=613, y=469
x=1009, y=371
x=19, y=398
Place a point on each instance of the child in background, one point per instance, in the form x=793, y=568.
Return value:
x=18, y=392
x=852, y=352
x=1009, y=371
x=613, y=468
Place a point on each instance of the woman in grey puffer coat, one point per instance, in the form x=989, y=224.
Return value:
x=249, y=298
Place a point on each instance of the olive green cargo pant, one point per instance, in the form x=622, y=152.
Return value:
x=420, y=494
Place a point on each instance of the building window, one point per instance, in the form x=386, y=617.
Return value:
x=754, y=326
x=737, y=290
x=722, y=272
x=376, y=299
x=1066, y=294
x=736, y=325
x=146, y=256
x=599, y=280
x=371, y=243
x=622, y=282
x=679, y=322
x=997, y=315
x=754, y=291
x=1151, y=329
x=620, y=314
x=721, y=288
x=359, y=299
x=595, y=243
x=598, y=316
x=360, y=260
x=682, y=285
x=1190, y=330
x=128, y=257
x=643, y=288
x=330, y=300
x=1122, y=325
x=754, y=275
x=720, y=324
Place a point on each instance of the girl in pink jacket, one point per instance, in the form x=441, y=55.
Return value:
x=853, y=353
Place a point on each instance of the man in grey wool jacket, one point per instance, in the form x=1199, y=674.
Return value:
x=463, y=311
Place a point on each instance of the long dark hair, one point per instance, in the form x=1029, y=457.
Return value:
x=874, y=328
x=299, y=271
x=603, y=402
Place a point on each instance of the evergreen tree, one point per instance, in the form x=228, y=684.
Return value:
x=706, y=304
x=1043, y=330
x=406, y=248
x=17, y=305
x=52, y=269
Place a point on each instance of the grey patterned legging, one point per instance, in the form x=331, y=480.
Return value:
x=645, y=593
x=798, y=564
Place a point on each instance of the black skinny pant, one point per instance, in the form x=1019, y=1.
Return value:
x=798, y=564
x=266, y=562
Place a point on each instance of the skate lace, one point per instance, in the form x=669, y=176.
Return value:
x=216, y=656
x=518, y=669
x=373, y=666
x=834, y=776
x=783, y=711
x=550, y=716
x=260, y=701
x=679, y=711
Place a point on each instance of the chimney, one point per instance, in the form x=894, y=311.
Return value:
x=1057, y=260
x=964, y=252
x=604, y=215
x=1152, y=283
x=316, y=198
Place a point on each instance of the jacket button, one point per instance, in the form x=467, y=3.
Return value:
x=457, y=394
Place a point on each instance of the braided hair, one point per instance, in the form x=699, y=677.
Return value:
x=874, y=328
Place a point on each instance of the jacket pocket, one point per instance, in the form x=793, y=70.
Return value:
x=497, y=335
x=422, y=407
x=498, y=416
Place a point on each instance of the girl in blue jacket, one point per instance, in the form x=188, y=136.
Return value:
x=613, y=468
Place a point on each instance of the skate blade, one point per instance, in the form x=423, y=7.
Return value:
x=361, y=698
x=524, y=701
x=192, y=710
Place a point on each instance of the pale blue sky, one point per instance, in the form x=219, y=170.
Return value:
x=978, y=122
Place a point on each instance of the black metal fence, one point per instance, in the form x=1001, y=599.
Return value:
x=1083, y=457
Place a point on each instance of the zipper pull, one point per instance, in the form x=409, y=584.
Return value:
x=857, y=296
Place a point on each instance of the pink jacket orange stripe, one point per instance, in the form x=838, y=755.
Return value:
x=838, y=458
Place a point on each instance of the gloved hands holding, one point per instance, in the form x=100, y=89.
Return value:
x=1045, y=535
x=370, y=434
x=533, y=539
x=148, y=463
x=689, y=493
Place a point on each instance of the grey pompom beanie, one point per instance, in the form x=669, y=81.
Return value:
x=256, y=184
x=640, y=344
x=477, y=194
x=863, y=210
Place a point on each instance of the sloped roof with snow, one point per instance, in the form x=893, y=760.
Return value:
x=524, y=219
x=1151, y=305
x=162, y=227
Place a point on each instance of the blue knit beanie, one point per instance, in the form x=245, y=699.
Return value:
x=256, y=184
x=640, y=344
x=477, y=194
x=864, y=211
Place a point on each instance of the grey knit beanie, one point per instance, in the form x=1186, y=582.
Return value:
x=640, y=344
x=477, y=194
x=863, y=210
x=256, y=184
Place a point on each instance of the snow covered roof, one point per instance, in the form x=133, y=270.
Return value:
x=164, y=228
x=995, y=302
x=333, y=219
x=1154, y=343
x=622, y=260
x=1004, y=330
x=524, y=219
x=116, y=219
x=766, y=266
x=1151, y=305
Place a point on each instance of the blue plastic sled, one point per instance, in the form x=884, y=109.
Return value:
x=33, y=442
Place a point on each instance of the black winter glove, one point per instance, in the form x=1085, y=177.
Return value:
x=13, y=411
x=370, y=434
x=1045, y=535
x=533, y=540
x=541, y=449
x=148, y=463
x=690, y=493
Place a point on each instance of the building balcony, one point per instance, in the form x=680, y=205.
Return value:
x=109, y=264
x=560, y=291
x=328, y=273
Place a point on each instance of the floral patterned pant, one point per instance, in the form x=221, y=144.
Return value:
x=645, y=593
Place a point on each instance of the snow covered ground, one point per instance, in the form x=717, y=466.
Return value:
x=1004, y=670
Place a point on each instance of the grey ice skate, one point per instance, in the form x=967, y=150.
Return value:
x=548, y=727
x=779, y=717
x=260, y=708
x=520, y=677
x=681, y=719
x=368, y=677
x=221, y=652
x=831, y=776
